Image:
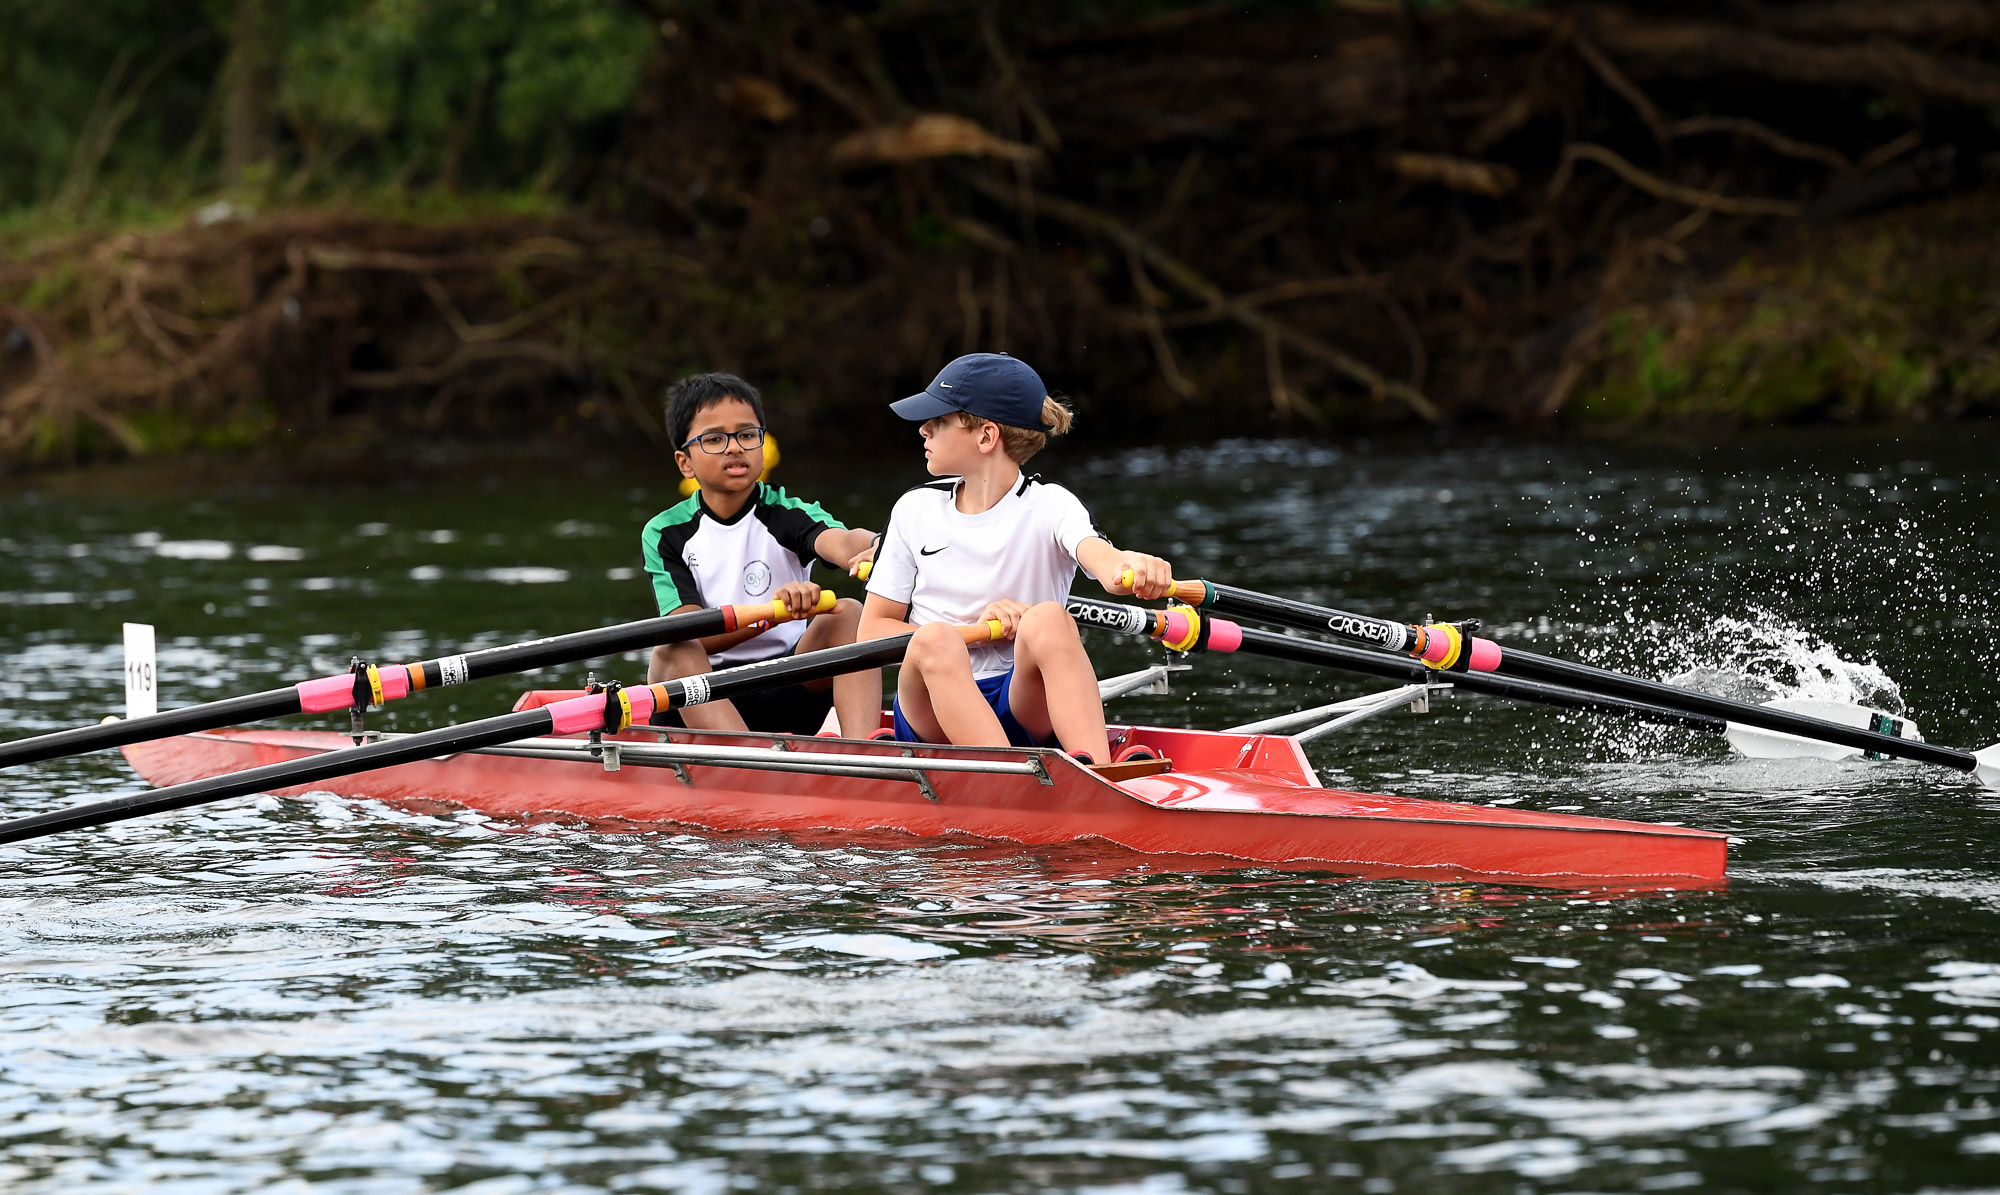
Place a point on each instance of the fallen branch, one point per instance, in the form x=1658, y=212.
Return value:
x=1616, y=80
x=1491, y=179
x=1185, y=277
x=1149, y=308
x=1706, y=49
x=1660, y=188
x=1283, y=292
x=1741, y=127
x=471, y=333
x=930, y=135
x=1691, y=49
x=465, y=357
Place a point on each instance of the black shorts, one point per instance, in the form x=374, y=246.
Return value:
x=788, y=709
x=792, y=709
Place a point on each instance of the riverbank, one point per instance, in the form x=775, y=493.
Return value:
x=1197, y=221
x=323, y=337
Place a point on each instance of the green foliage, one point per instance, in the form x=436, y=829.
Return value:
x=487, y=89
x=1886, y=319
x=169, y=432
x=101, y=98
x=116, y=108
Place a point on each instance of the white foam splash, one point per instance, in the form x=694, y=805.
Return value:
x=1764, y=657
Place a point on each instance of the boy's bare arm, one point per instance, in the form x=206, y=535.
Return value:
x=840, y=548
x=715, y=644
x=1152, y=577
x=881, y=618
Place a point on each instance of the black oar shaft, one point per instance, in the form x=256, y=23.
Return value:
x=1305, y=616
x=344, y=762
x=1547, y=668
x=443, y=671
x=587, y=645
x=1134, y=619
x=1285, y=612
x=786, y=670
x=252, y=707
x=1351, y=659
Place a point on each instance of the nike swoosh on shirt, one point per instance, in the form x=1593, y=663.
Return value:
x=930, y=551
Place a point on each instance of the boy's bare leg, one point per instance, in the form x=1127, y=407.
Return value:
x=857, y=696
x=1054, y=690
x=672, y=661
x=940, y=700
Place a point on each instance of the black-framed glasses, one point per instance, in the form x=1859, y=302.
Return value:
x=717, y=443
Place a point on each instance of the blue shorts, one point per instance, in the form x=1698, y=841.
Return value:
x=994, y=690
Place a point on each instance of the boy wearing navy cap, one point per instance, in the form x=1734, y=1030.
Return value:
x=990, y=543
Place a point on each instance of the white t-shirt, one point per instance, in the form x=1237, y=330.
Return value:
x=949, y=566
x=696, y=559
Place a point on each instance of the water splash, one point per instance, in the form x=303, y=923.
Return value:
x=1763, y=657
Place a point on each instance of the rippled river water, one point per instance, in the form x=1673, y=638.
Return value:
x=335, y=995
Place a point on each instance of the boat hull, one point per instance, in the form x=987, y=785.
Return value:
x=1244, y=797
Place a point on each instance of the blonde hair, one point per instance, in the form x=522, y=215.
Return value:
x=1021, y=443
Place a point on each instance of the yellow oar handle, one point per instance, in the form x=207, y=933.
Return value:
x=823, y=606
x=1194, y=593
x=862, y=570
x=776, y=611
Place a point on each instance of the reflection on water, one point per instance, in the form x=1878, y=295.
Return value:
x=344, y=996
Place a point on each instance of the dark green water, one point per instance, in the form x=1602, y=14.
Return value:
x=330, y=995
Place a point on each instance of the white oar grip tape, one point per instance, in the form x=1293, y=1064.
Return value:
x=1126, y=620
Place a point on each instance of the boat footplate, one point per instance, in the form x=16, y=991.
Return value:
x=1131, y=769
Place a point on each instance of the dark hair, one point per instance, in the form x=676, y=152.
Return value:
x=693, y=395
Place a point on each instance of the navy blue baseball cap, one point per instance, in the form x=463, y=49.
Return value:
x=990, y=385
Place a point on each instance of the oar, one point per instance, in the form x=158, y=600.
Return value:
x=1445, y=647
x=1184, y=629
x=612, y=710
x=367, y=685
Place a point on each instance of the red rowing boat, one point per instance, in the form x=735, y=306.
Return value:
x=1243, y=796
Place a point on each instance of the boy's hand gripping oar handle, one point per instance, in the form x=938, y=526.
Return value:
x=368, y=685
x=1183, y=629
x=979, y=632
x=1448, y=646
x=612, y=710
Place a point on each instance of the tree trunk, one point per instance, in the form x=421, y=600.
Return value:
x=248, y=119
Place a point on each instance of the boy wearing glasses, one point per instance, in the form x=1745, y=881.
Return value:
x=739, y=541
